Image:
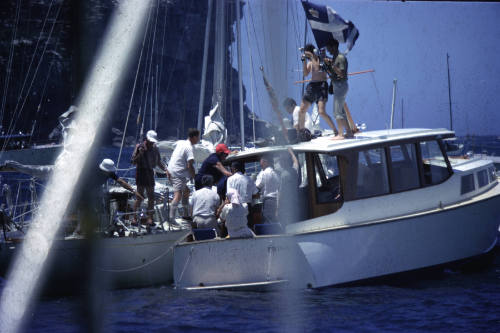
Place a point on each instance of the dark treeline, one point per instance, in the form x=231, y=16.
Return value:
x=48, y=46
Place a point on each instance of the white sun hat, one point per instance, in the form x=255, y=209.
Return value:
x=152, y=136
x=107, y=165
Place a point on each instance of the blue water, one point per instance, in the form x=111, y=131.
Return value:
x=444, y=301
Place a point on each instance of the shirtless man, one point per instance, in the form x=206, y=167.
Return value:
x=316, y=90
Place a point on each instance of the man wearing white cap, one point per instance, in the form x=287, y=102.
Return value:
x=109, y=172
x=146, y=157
x=89, y=196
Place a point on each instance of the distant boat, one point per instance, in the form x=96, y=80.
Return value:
x=18, y=149
x=385, y=202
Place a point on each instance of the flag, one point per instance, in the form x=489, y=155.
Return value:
x=326, y=24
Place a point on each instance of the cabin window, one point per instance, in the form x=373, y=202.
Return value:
x=482, y=178
x=365, y=174
x=327, y=178
x=404, y=167
x=435, y=169
x=467, y=184
x=493, y=175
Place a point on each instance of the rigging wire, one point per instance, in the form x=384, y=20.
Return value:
x=378, y=92
x=133, y=92
x=144, y=96
x=252, y=66
x=149, y=75
x=16, y=111
x=251, y=80
x=286, y=48
x=31, y=64
x=162, y=47
x=9, y=64
x=255, y=33
x=229, y=29
x=42, y=95
x=177, y=52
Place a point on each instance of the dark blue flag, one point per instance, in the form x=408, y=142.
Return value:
x=326, y=24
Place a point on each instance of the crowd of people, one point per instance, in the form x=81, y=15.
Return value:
x=224, y=199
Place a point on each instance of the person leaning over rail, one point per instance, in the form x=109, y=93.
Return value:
x=89, y=198
x=316, y=90
x=292, y=108
x=146, y=156
x=212, y=165
x=181, y=168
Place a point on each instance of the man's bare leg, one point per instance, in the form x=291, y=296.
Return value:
x=352, y=125
x=304, y=106
x=326, y=117
x=138, y=202
x=343, y=125
x=151, y=204
x=174, y=204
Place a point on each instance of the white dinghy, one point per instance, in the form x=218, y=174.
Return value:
x=385, y=202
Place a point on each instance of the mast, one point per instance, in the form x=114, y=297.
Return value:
x=240, y=84
x=305, y=41
x=393, y=102
x=220, y=57
x=449, y=89
x=204, y=68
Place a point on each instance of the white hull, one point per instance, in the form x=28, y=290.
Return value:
x=124, y=262
x=37, y=155
x=344, y=254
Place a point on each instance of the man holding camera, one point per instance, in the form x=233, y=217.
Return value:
x=316, y=90
x=337, y=70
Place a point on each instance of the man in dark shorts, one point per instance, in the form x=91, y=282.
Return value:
x=316, y=90
x=146, y=156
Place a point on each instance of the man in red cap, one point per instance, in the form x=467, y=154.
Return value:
x=212, y=165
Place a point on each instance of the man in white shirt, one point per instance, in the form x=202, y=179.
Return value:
x=268, y=184
x=243, y=184
x=205, y=202
x=292, y=108
x=180, y=169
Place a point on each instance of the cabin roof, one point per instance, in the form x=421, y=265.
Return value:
x=325, y=144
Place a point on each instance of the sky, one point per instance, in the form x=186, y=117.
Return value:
x=407, y=41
